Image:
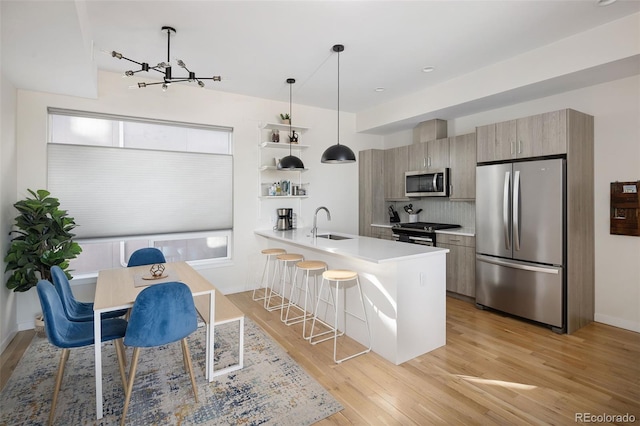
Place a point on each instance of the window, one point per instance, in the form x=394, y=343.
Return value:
x=132, y=183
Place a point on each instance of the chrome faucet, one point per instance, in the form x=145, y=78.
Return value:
x=314, y=230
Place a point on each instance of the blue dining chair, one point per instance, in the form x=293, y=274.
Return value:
x=75, y=310
x=146, y=256
x=161, y=314
x=66, y=334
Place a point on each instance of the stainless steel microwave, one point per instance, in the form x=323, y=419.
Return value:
x=427, y=183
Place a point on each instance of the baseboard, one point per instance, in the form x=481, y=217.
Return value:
x=618, y=322
x=26, y=325
x=5, y=342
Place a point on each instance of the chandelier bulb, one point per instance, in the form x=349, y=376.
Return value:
x=164, y=87
x=128, y=73
x=141, y=85
x=181, y=64
x=200, y=83
x=217, y=78
x=116, y=54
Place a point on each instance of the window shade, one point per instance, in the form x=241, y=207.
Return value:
x=112, y=192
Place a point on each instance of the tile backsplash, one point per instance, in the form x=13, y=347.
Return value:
x=440, y=210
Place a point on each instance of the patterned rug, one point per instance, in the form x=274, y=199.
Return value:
x=271, y=388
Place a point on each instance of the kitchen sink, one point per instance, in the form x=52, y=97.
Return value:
x=333, y=237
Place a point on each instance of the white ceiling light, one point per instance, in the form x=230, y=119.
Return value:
x=605, y=2
x=379, y=89
x=428, y=69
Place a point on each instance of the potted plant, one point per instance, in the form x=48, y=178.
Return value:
x=286, y=119
x=44, y=239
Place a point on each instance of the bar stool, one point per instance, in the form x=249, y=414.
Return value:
x=307, y=267
x=339, y=277
x=285, y=264
x=269, y=259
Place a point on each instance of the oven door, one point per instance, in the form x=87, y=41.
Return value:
x=422, y=240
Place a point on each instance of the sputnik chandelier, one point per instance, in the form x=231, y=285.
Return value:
x=164, y=68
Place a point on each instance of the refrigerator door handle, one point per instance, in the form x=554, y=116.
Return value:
x=508, y=264
x=506, y=196
x=516, y=210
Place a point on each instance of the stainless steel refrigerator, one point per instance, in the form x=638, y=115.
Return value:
x=520, y=239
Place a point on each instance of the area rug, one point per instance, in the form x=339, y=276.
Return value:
x=271, y=389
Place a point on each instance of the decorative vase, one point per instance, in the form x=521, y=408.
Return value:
x=286, y=121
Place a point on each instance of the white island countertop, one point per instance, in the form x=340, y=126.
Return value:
x=364, y=248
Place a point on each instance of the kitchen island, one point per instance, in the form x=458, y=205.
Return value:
x=404, y=286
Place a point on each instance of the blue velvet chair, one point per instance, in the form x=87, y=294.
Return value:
x=75, y=310
x=146, y=256
x=161, y=314
x=66, y=334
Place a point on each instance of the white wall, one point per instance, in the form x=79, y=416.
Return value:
x=334, y=186
x=616, y=108
x=7, y=198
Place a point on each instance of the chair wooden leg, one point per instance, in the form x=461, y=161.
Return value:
x=187, y=355
x=121, y=365
x=63, y=361
x=132, y=376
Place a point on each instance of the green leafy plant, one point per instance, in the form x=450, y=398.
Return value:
x=285, y=116
x=44, y=239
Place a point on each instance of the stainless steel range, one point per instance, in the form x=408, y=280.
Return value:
x=423, y=233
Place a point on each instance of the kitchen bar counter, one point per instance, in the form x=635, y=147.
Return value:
x=404, y=287
x=364, y=248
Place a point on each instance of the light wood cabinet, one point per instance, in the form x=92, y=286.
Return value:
x=462, y=159
x=381, y=232
x=430, y=130
x=370, y=190
x=396, y=163
x=535, y=136
x=429, y=155
x=461, y=263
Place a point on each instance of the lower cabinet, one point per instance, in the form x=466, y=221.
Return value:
x=381, y=232
x=461, y=263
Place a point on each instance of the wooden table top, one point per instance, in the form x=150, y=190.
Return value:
x=115, y=287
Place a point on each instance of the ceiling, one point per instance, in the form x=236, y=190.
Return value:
x=56, y=46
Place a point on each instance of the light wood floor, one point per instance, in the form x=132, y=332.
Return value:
x=494, y=369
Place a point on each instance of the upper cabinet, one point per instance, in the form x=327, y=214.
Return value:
x=432, y=154
x=396, y=163
x=430, y=149
x=462, y=155
x=430, y=130
x=534, y=136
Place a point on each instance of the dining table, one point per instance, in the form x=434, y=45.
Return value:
x=118, y=288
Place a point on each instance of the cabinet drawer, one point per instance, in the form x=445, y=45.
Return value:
x=456, y=240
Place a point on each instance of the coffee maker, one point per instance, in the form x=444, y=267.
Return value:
x=285, y=219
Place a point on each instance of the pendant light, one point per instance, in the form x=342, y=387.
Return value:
x=337, y=154
x=290, y=162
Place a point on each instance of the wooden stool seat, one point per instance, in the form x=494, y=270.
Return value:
x=339, y=275
x=273, y=251
x=311, y=265
x=290, y=257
